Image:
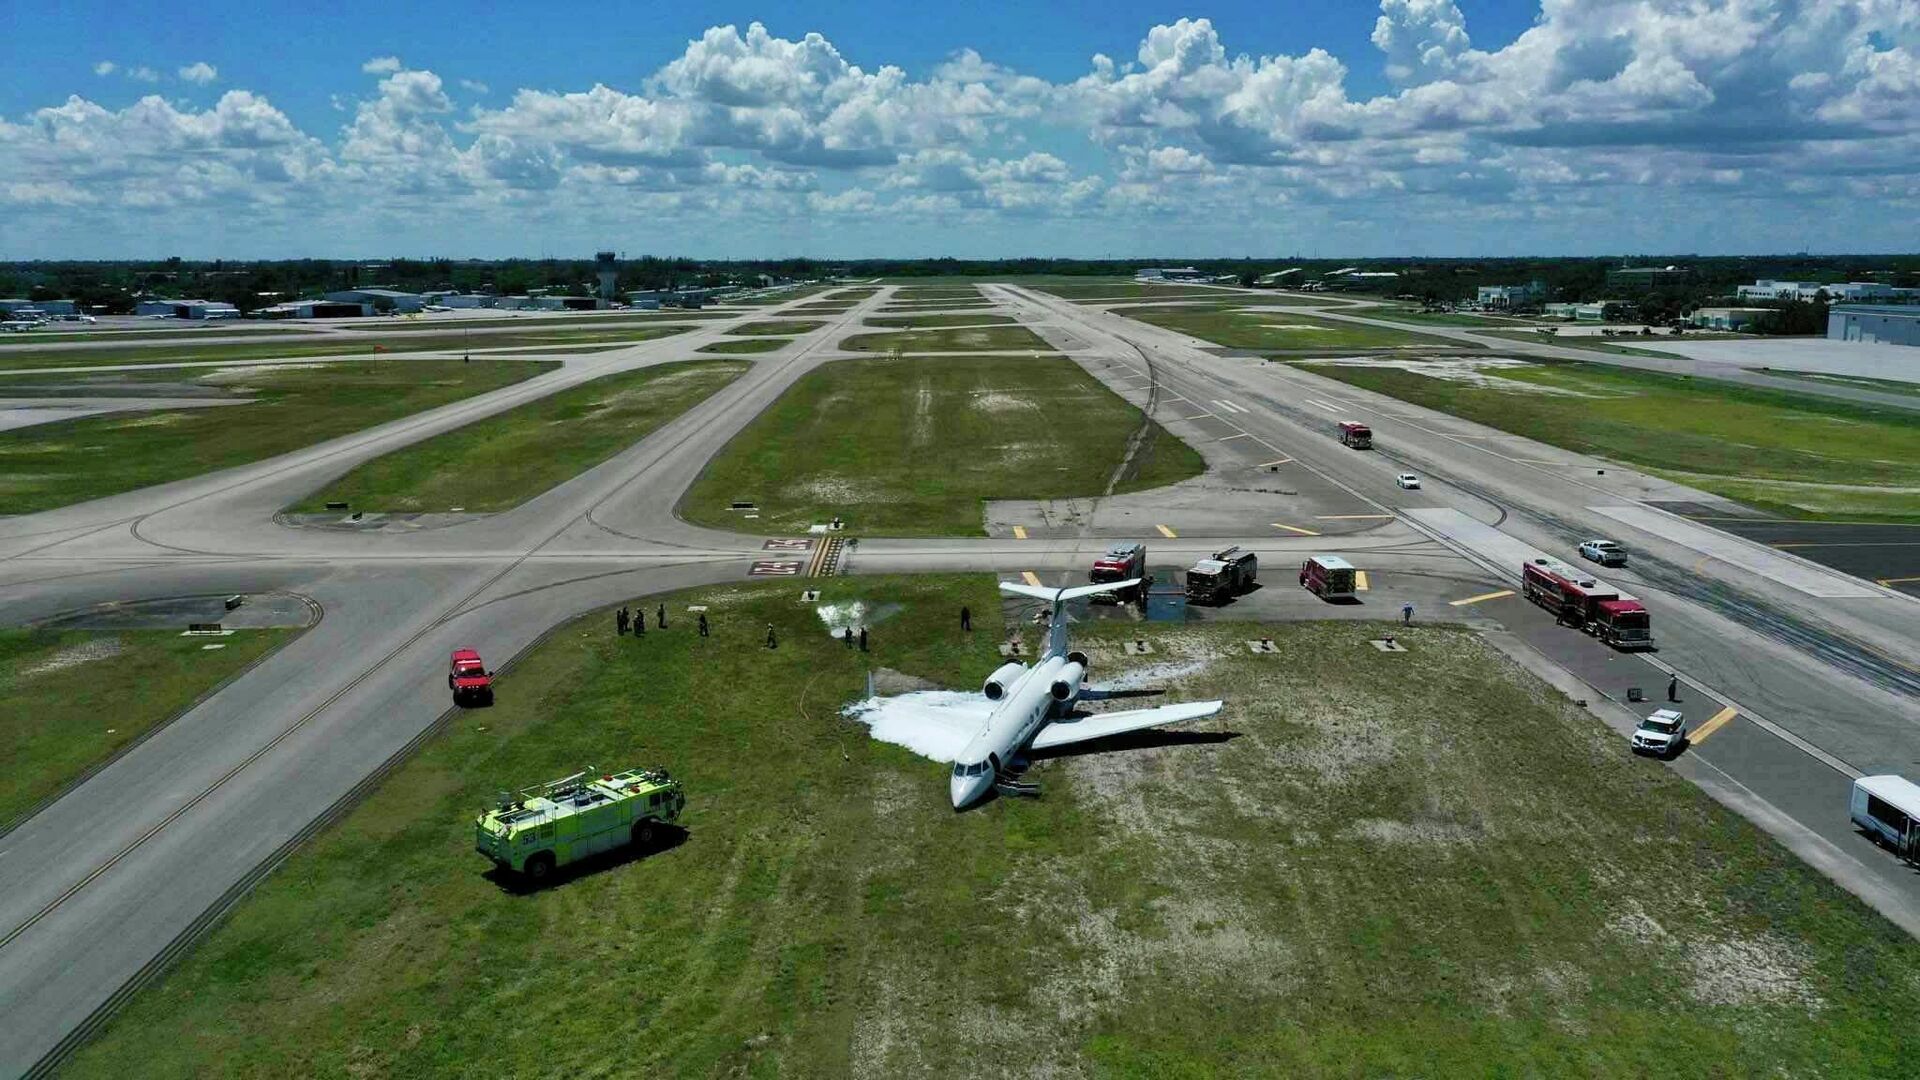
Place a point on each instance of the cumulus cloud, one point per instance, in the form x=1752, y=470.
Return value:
x=1755, y=100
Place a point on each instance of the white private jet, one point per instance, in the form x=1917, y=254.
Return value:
x=1030, y=708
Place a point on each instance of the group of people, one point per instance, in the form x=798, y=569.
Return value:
x=626, y=618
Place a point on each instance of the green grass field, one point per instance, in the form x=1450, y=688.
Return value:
x=987, y=338
x=330, y=345
x=928, y=322
x=216, y=330
x=70, y=698
x=1416, y=317
x=1119, y=289
x=1345, y=880
x=739, y=346
x=1579, y=341
x=1797, y=454
x=818, y=309
x=1278, y=330
x=777, y=327
x=75, y=460
x=1858, y=382
x=937, y=292
x=913, y=447
x=502, y=461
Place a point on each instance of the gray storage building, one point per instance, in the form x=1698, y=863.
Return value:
x=1887, y=324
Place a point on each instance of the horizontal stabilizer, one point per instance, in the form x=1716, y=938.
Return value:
x=1101, y=725
x=1058, y=596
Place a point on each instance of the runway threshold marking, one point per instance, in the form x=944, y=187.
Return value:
x=1481, y=597
x=1295, y=529
x=1359, y=581
x=1320, y=405
x=1019, y=532
x=1031, y=578
x=1718, y=721
x=1168, y=533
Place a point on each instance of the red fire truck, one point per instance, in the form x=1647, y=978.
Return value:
x=1356, y=435
x=1120, y=562
x=1588, y=603
x=1327, y=576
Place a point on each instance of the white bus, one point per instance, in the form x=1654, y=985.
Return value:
x=1888, y=809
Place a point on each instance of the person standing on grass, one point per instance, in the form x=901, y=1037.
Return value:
x=640, y=623
x=703, y=624
x=620, y=622
x=663, y=616
x=846, y=635
x=966, y=619
x=1406, y=613
x=863, y=639
x=771, y=642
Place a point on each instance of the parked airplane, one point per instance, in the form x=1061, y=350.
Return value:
x=1023, y=708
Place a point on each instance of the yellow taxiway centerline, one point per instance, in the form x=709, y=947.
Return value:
x=1719, y=721
x=1019, y=532
x=1359, y=581
x=1295, y=529
x=1482, y=596
x=1271, y=464
x=1032, y=578
x=1168, y=533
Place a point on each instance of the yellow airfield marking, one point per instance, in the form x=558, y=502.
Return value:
x=1225, y=438
x=1359, y=581
x=1719, y=721
x=1031, y=578
x=1295, y=529
x=1482, y=596
x=1202, y=416
x=1353, y=517
x=1019, y=532
x=1168, y=533
x=1895, y=580
x=1271, y=464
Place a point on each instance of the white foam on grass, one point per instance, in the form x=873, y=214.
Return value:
x=1472, y=371
x=853, y=615
x=935, y=724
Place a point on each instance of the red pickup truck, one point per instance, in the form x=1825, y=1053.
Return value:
x=469, y=679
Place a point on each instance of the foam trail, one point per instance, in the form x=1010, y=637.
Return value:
x=932, y=723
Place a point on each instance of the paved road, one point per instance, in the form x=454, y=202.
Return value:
x=109, y=879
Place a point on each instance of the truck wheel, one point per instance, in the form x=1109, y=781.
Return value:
x=643, y=834
x=540, y=866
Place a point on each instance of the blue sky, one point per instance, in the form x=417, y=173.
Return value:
x=1438, y=127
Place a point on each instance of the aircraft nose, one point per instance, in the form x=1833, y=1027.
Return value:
x=957, y=789
x=967, y=790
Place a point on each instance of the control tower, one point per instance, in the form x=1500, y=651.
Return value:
x=608, y=273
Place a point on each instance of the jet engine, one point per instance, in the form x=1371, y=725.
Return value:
x=1002, y=677
x=1066, y=683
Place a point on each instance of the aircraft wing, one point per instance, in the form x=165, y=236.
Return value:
x=1055, y=596
x=1101, y=725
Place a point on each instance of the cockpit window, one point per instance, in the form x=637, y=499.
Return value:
x=959, y=768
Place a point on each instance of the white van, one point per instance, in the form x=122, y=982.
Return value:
x=1888, y=808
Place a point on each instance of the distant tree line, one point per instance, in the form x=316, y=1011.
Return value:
x=113, y=287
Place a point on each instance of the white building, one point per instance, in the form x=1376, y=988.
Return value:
x=1510, y=296
x=1728, y=318
x=1887, y=324
x=1168, y=273
x=187, y=309
x=42, y=307
x=387, y=299
x=1850, y=292
x=1591, y=312
x=459, y=300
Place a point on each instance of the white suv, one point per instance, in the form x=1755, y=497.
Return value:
x=1663, y=734
x=1604, y=552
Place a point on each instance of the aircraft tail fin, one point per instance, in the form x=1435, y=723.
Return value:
x=1057, y=627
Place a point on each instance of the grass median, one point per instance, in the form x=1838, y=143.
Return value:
x=932, y=322
x=1801, y=455
x=69, y=699
x=289, y=407
x=287, y=347
x=915, y=447
x=1275, y=330
x=974, y=339
x=502, y=461
x=1336, y=876
x=739, y=346
x=777, y=327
